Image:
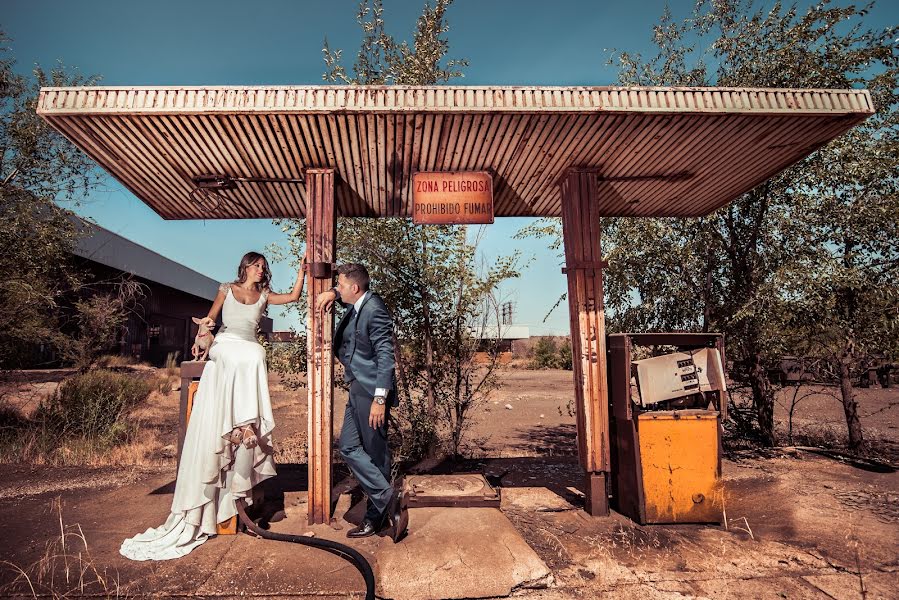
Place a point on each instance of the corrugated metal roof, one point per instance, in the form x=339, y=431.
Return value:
x=107, y=248
x=657, y=151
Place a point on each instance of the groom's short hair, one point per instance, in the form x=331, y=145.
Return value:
x=356, y=273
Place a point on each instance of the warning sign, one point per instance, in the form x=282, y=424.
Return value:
x=452, y=198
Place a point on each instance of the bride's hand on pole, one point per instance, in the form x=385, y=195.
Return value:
x=304, y=265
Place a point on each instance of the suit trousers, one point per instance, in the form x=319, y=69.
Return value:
x=366, y=453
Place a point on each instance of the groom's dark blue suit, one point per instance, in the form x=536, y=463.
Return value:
x=363, y=343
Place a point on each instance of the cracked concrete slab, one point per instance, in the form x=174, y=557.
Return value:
x=458, y=553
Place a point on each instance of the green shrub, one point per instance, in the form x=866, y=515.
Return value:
x=288, y=359
x=546, y=354
x=415, y=433
x=93, y=405
x=565, y=355
x=11, y=424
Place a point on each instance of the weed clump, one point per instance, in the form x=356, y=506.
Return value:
x=93, y=406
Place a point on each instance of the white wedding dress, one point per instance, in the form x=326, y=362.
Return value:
x=233, y=392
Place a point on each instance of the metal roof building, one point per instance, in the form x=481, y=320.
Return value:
x=110, y=249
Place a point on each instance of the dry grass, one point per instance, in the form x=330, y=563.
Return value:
x=65, y=569
x=114, y=361
x=291, y=449
x=145, y=448
x=169, y=375
x=151, y=441
x=518, y=364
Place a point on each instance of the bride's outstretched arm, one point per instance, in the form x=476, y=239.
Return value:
x=297, y=291
x=295, y=294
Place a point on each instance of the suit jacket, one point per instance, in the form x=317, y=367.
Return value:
x=370, y=356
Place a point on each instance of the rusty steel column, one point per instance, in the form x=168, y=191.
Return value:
x=583, y=266
x=320, y=242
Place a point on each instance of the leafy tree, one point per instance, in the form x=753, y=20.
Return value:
x=799, y=245
x=440, y=300
x=825, y=223
x=844, y=293
x=383, y=61
x=44, y=299
x=95, y=324
x=35, y=239
x=428, y=275
x=38, y=169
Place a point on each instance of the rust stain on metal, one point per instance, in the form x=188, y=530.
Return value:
x=580, y=231
x=464, y=490
x=320, y=233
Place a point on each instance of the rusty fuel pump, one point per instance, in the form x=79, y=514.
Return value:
x=665, y=427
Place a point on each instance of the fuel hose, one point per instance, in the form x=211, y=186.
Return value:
x=341, y=550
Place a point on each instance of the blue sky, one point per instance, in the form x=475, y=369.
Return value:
x=228, y=42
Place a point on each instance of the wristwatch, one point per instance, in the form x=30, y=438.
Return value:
x=379, y=400
x=336, y=292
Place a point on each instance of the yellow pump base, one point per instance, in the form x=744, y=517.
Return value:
x=681, y=466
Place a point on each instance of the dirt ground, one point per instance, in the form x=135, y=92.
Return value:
x=530, y=415
x=799, y=524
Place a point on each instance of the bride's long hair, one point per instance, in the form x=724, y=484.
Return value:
x=248, y=259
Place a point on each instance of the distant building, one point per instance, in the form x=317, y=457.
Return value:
x=501, y=341
x=161, y=323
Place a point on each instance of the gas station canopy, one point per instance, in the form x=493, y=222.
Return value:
x=656, y=151
x=578, y=153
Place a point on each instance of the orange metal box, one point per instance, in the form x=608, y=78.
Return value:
x=681, y=466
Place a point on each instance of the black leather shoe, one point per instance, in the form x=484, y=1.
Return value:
x=398, y=514
x=365, y=529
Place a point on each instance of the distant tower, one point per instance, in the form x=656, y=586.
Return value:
x=507, y=313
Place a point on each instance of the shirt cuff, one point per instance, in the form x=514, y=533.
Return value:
x=381, y=392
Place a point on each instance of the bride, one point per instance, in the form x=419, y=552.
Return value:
x=227, y=446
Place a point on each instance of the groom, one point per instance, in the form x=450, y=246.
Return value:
x=363, y=343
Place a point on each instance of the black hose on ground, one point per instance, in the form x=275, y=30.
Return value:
x=344, y=552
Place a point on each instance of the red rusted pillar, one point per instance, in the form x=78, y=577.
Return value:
x=320, y=241
x=583, y=266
